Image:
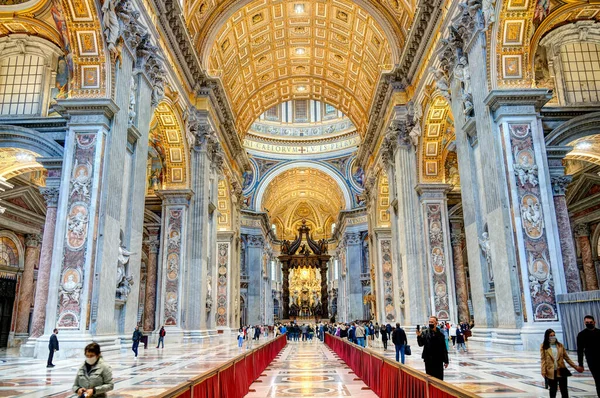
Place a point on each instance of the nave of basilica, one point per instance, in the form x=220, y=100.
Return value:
x=207, y=164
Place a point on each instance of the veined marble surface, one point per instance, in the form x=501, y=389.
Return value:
x=155, y=370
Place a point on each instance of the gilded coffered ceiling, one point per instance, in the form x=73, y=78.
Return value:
x=586, y=148
x=270, y=51
x=303, y=193
x=14, y=161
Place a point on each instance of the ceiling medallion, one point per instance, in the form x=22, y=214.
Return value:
x=300, y=51
x=301, y=88
x=258, y=18
x=299, y=8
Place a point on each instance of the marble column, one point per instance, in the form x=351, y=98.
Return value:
x=50, y=194
x=32, y=254
x=437, y=239
x=223, y=282
x=353, y=262
x=255, y=247
x=409, y=227
x=582, y=232
x=567, y=245
x=205, y=154
x=560, y=182
x=151, y=275
x=174, y=265
x=457, y=238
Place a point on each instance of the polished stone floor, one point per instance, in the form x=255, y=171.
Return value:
x=303, y=369
x=308, y=369
x=155, y=370
x=494, y=373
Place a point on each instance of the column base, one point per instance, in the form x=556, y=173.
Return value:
x=71, y=345
x=528, y=338
x=198, y=336
x=17, y=339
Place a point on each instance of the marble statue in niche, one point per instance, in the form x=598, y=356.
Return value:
x=486, y=249
x=124, y=281
x=462, y=73
x=441, y=82
x=208, y=293
x=132, y=102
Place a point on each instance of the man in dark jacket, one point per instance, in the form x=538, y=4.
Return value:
x=137, y=336
x=400, y=341
x=435, y=353
x=588, y=343
x=384, y=337
x=52, y=346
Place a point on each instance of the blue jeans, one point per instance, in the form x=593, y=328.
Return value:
x=400, y=353
x=134, y=347
x=161, y=340
x=361, y=341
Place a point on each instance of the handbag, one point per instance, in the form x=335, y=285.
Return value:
x=564, y=372
x=407, y=350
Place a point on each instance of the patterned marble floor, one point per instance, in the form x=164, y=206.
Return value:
x=155, y=370
x=308, y=369
x=303, y=369
x=492, y=373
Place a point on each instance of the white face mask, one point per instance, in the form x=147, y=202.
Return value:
x=552, y=340
x=91, y=361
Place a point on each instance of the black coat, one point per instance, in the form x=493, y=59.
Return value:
x=588, y=343
x=399, y=337
x=53, y=343
x=384, y=334
x=434, y=346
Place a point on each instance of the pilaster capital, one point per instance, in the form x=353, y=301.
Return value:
x=50, y=195
x=87, y=111
x=433, y=191
x=153, y=244
x=255, y=241
x=33, y=240
x=457, y=238
x=560, y=184
x=352, y=238
x=582, y=229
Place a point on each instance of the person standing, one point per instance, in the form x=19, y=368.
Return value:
x=434, y=354
x=588, y=343
x=359, y=332
x=400, y=341
x=94, y=377
x=52, y=347
x=452, y=332
x=161, y=337
x=137, y=336
x=240, y=338
x=384, y=336
x=554, y=370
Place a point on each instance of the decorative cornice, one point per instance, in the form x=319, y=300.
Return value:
x=518, y=97
x=175, y=196
x=87, y=110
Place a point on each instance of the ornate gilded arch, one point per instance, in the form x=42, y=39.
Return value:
x=438, y=135
x=167, y=143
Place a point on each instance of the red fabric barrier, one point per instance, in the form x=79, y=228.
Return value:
x=389, y=381
x=375, y=374
x=241, y=376
x=227, y=382
x=435, y=392
x=184, y=394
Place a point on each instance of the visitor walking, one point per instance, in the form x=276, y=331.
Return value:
x=588, y=343
x=249, y=337
x=137, y=336
x=445, y=332
x=94, y=377
x=304, y=329
x=384, y=337
x=52, y=347
x=240, y=338
x=434, y=354
x=460, y=339
x=452, y=332
x=161, y=337
x=400, y=341
x=554, y=370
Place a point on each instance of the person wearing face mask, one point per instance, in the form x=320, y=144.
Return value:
x=435, y=353
x=94, y=377
x=588, y=343
x=554, y=370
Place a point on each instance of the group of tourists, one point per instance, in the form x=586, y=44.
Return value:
x=94, y=377
x=250, y=334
